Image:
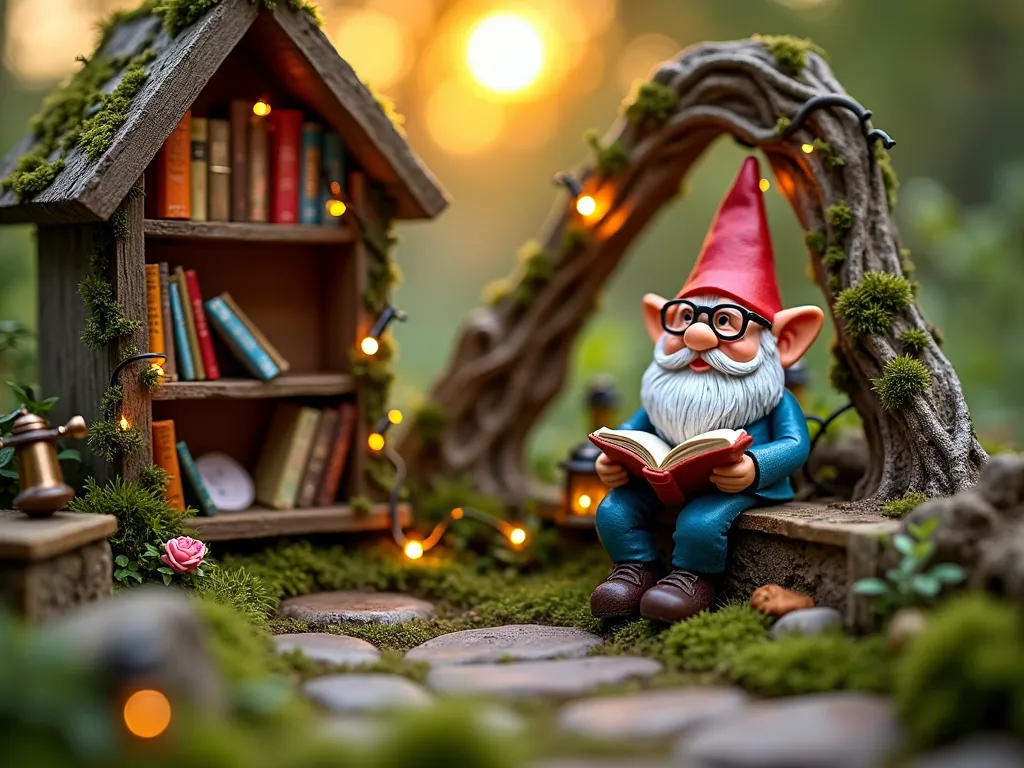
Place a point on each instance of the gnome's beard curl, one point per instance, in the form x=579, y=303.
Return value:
x=682, y=404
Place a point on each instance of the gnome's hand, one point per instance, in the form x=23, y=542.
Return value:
x=612, y=474
x=733, y=478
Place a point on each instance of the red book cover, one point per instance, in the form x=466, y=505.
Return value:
x=338, y=457
x=690, y=475
x=285, y=154
x=202, y=327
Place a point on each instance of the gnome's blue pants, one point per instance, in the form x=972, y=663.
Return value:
x=626, y=514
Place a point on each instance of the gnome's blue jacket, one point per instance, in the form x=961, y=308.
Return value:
x=780, y=447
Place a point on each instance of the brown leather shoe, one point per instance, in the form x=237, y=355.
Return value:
x=678, y=596
x=618, y=596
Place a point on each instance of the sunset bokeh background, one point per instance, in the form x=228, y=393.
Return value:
x=497, y=95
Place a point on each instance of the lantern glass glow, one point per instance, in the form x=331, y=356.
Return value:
x=147, y=714
x=369, y=345
x=586, y=205
x=517, y=536
x=584, y=501
x=413, y=550
x=261, y=108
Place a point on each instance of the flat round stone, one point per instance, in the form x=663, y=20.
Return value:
x=365, y=693
x=807, y=621
x=564, y=677
x=328, y=608
x=332, y=649
x=840, y=730
x=991, y=750
x=517, y=642
x=650, y=714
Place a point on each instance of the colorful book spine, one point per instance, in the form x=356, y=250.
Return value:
x=262, y=340
x=190, y=324
x=170, y=365
x=258, y=208
x=203, y=337
x=199, y=154
x=313, y=474
x=286, y=146
x=241, y=342
x=165, y=456
x=327, y=494
x=285, y=454
x=220, y=170
x=309, y=195
x=240, y=111
x=331, y=177
x=182, y=351
x=154, y=309
x=174, y=173
x=193, y=482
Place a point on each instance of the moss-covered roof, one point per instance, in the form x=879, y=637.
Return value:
x=103, y=129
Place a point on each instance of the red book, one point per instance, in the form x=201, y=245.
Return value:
x=174, y=173
x=338, y=456
x=285, y=154
x=672, y=471
x=202, y=327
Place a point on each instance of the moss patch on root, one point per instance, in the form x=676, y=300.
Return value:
x=840, y=217
x=816, y=240
x=889, y=178
x=903, y=378
x=653, y=101
x=900, y=508
x=914, y=341
x=826, y=150
x=869, y=306
x=790, y=52
x=611, y=159
x=833, y=258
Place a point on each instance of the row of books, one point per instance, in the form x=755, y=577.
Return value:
x=279, y=168
x=183, y=478
x=179, y=323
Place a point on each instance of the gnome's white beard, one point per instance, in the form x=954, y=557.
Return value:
x=682, y=404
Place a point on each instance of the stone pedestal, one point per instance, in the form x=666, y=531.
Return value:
x=49, y=565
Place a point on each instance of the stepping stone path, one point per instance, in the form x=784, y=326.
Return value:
x=523, y=642
x=807, y=621
x=332, y=649
x=567, y=677
x=328, y=608
x=357, y=693
x=838, y=730
x=650, y=714
x=986, y=750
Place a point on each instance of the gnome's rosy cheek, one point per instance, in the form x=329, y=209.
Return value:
x=744, y=349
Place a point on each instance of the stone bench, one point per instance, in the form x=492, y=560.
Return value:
x=49, y=565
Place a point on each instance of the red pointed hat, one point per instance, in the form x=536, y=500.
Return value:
x=736, y=260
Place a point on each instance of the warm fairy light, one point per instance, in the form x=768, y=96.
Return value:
x=124, y=424
x=807, y=148
x=413, y=550
x=375, y=441
x=157, y=367
x=517, y=536
x=395, y=416
x=584, y=501
x=336, y=208
x=457, y=513
x=369, y=345
x=261, y=108
x=586, y=205
x=765, y=185
x=147, y=713
x=505, y=52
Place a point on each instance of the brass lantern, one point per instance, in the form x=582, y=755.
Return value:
x=584, y=490
x=43, y=490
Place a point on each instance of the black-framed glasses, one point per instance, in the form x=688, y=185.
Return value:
x=728, y=321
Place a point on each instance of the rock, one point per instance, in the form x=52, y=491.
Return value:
x=966, y=521
x=838, y=730
x=1002, y=481
x=906, y=624
x=149, y=632
x=520, y=642
x=778, y=601
x=356, y=693
x=650, y=714
x=331, y=649
x=326, y=608
x=983, y=750
x=603, y=762
x=1000, y=569
x=845, y=456
x=566, y=677
x=807, y=621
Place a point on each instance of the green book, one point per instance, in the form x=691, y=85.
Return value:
x=285, y=454
x=195, y=489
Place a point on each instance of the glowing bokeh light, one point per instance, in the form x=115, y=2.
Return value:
x=375, y=441
x=336, y=208
x=584, y=501
x=765, y=185
x=586, y=205
x=460, y=122
x=395, y=416
x=38, y=35
x=147, y=714
x=517, y=536
x=375, y=44
x=124, y=424
x=505, y=52
x=457, y=513
x=413, y=550
x=369, y=345
x=261, y=108
x=807, y=148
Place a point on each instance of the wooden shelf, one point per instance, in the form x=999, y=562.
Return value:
x=294, y=385
x=260, y=523
x=309, y=234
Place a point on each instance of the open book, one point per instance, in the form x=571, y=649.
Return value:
x=672, y=471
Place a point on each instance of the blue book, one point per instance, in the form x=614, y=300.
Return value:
x=332, y=176
x=194, y=485
x=242, y=343
x=309, y=185
x=186, y=368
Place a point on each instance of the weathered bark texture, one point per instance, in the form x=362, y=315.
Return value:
x=511, y=360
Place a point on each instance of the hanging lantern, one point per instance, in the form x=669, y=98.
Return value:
x=584, y=490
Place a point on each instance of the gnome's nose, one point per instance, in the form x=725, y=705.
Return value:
x=699, y=337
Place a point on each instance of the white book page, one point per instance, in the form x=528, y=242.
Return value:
x=652, y=449
x=708, y=441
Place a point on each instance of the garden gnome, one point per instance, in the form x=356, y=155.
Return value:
x=720, y=350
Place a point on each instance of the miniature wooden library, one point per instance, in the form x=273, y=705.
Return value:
x=269, y=176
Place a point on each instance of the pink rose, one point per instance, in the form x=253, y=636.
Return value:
x=184, y=554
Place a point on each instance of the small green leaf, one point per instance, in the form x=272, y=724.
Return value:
x=122, y=560
x=199, y=572
x=903, y=544
x=121, y=574
x=167, y=580
x=47, y=405
x=927, y=585
x=69, y=454
x=165, y=570
x=136, y=575
x=870, y=587
x=20, y=391
x=948, y=573
x=6, y=454
x=922, y=531
x=9, y=473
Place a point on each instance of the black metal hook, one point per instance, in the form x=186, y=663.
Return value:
x=570, y=182
x=132, y=359
x=835, y=100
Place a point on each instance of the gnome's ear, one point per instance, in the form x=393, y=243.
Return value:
x=652, y=305
x=796, y=329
